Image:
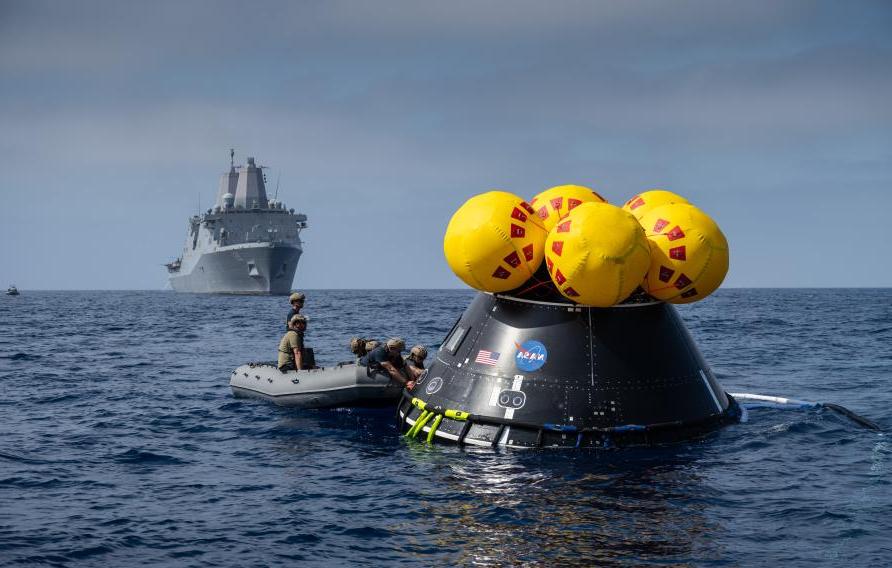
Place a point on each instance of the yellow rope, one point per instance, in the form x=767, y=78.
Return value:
x=422, y=420
x=426, y=415
x=434, y=426
x=413, y=431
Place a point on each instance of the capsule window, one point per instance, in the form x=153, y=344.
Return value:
x=449, y=334
x=455, y=340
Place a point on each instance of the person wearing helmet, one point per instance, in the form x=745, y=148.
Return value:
x=357, y=346
x=416, y=358
x=297, y=302
x=388, y=359
x=366, y=348
x=291, y=346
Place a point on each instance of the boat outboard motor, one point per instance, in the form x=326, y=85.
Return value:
x=524, y=373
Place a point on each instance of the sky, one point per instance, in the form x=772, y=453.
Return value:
x=381, y=118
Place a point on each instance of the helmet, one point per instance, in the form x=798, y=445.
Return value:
x=396, y=343
x=357, y=346
x=297, y=318
x=419, y=352
x=371, y=344
x=297, y=296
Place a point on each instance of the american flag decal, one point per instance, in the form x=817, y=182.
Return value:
x=487, y=357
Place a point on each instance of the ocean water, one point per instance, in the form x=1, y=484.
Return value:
x=121, y=445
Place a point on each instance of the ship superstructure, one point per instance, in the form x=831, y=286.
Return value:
x=245, y=244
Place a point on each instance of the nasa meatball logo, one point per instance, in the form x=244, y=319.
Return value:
x=434, y=386
x=531, y=355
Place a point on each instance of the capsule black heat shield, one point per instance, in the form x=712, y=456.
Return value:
x=523, y=373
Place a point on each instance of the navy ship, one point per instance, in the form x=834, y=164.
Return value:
x=245, y=244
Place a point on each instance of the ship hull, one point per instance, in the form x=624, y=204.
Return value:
x=256, y=269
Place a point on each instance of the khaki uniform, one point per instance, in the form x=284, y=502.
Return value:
x=290, y=341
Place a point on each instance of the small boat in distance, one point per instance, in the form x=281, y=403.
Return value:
x=12, y=291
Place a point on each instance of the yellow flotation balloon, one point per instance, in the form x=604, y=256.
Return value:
x=554, y=204
x=597, y=255
x=689, y=253
x=494, y=242
x=646, y=201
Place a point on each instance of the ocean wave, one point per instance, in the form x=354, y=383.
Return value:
x=143, y=455
x=22, y=357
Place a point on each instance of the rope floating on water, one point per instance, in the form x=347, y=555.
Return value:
x=749, y=401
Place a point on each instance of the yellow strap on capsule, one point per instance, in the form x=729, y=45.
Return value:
x=420, y=405
x=434, y=426
x=459, y=415
x=413, y=431
x=419, y=426
x=426, y=415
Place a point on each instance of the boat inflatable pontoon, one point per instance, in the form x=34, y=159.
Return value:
x=343, y=385
x=523, y=373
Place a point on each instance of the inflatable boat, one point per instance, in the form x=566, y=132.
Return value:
x=342, y=385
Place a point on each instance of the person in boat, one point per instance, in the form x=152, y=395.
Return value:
x=361, y=347
x=388, y=358
x=292, y=355
x=416, y=357
x=297, y=302
x=371, y=344
x=357, y=346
